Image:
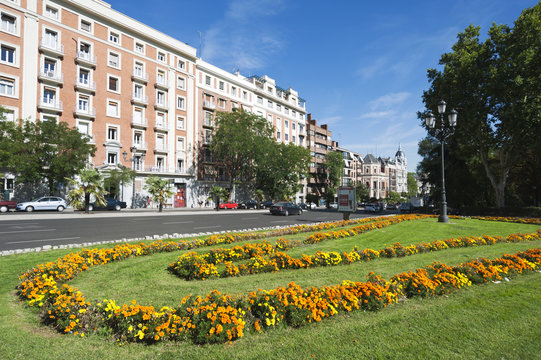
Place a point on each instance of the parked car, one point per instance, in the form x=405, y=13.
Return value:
x=371, y=208
x=405, y=207
x=43, y=203
x=251, y=204
x=392, y=207
x=304, y=206
x=111, y=204
x=229, y=205
x=312, y=205
x=267, y=204
x=333, y=205
x=285, y=208
x=6, y=205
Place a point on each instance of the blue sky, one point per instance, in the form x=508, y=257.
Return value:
x=360, y=64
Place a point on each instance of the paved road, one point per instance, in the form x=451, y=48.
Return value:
x=23, y=230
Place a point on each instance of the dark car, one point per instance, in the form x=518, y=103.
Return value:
x=267, y=204
x=111, y=204
x=303, y=206
x=285, y=208
x=252, y=204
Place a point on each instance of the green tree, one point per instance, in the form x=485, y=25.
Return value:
x=412, y=185
x=362, y=193
x=116, y=177
x=43, y=150
x=394, y=197
x=160, y=190
x=259, y=197
x=494, y=84
x=334, y=163
x=280, y=169
x=218, y=193
x=88, y=184
x=237, y=141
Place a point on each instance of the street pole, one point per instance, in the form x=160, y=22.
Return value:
x=442, y=133
x=133, y=160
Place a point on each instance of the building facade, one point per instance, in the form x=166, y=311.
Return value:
x=319, y=142
x=142, y=97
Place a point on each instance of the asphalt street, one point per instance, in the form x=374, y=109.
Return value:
x=30, y=230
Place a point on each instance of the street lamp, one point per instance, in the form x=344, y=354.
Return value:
x=442, y=132
x=133, y=160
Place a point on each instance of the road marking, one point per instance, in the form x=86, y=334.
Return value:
x=207, y=227
x=177, y=222
x=29, y=241
x=24, y=231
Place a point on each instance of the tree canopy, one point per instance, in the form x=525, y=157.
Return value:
x=495, y=86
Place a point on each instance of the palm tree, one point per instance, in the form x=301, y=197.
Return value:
x=218, y=193
x=89, y=184
x=159, y=190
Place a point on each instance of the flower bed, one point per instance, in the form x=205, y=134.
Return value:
x=220, y=317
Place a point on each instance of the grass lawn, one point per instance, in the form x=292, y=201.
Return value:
x=485, y=321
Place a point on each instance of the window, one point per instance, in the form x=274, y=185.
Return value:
x=259, y=100
x=51, y=12
x=140, y=48
x=208, y=119
x=7, y=54
x=9, y=115
x=160, y=163
x=278, y=135
x=222, y=103
x=293, y=126
x=113, y=108
x=112, y=158
x=114, y=60
x=138, y=91
x=51, y=39
x=83, y=104
x=278, y=107
x=160, y=119
x=207, y=80
x=208, y=136
x=138, y=115
x=112, y=133
x=269, y=104
x=181, y=102
x=233, y=91
x=181, y=64
x=160, y=98
x=293, y=138
x=7, y=86
x=270, y=89
x=49, y=96
x=86, y=25
x=286, y=137
x=138, y=69
x=181, y=123
x=160, y=77
x=180, y=165
x=84, y=77
x=113, y=83
x=221, y=85
x=180, y=143
x=114, y=37
x=9, y=23
x=181, y=83
x=138, y=138
x=84, y=50
x=245, y=95
x=269, y=118
x=294, y=113
x=160, y=142
x=161, y=57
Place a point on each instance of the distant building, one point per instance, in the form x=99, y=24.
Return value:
x=319, y=142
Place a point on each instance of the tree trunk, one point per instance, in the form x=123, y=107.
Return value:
x=500, y=183
x=87, y=202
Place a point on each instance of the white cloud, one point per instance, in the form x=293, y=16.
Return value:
x=330, y=120
x=377, y=114
x=389, y=100
x=243, y=38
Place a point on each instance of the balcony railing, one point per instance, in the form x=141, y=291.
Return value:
x=160, y=148
x=51, y=75
x=85, y=84
x=50, y=104
x=51, y=46
x=209, y=105
x=161, y=125
x=139, y=122
x=139, y=99
x=162, y=83
x=161, y=105
x=140, y=75
x=88, y=112
x=140, y=145
x=85, y=58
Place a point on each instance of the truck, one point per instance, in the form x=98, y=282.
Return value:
x=6, y=205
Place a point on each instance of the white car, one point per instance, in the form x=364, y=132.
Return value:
x=44, y=203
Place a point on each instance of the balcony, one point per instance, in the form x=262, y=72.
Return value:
x=85, y=85
x=139, y=99
x=50, y=104
x=85, y=112
x=162, y=83
x=138, y=122
x=209, y=105
x=51, y=76
x=51, y=47
x=139, y=76
x=160, y=148
x=161, y=105
x=161, y=126
x=140, y=145
x=84, y=58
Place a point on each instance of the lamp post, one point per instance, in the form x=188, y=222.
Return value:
x=442, y=132
x=133, y=160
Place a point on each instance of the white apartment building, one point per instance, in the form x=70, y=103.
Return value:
x=142, y=97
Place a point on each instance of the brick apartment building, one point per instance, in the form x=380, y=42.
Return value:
x=142, y=97
x=319, y=142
